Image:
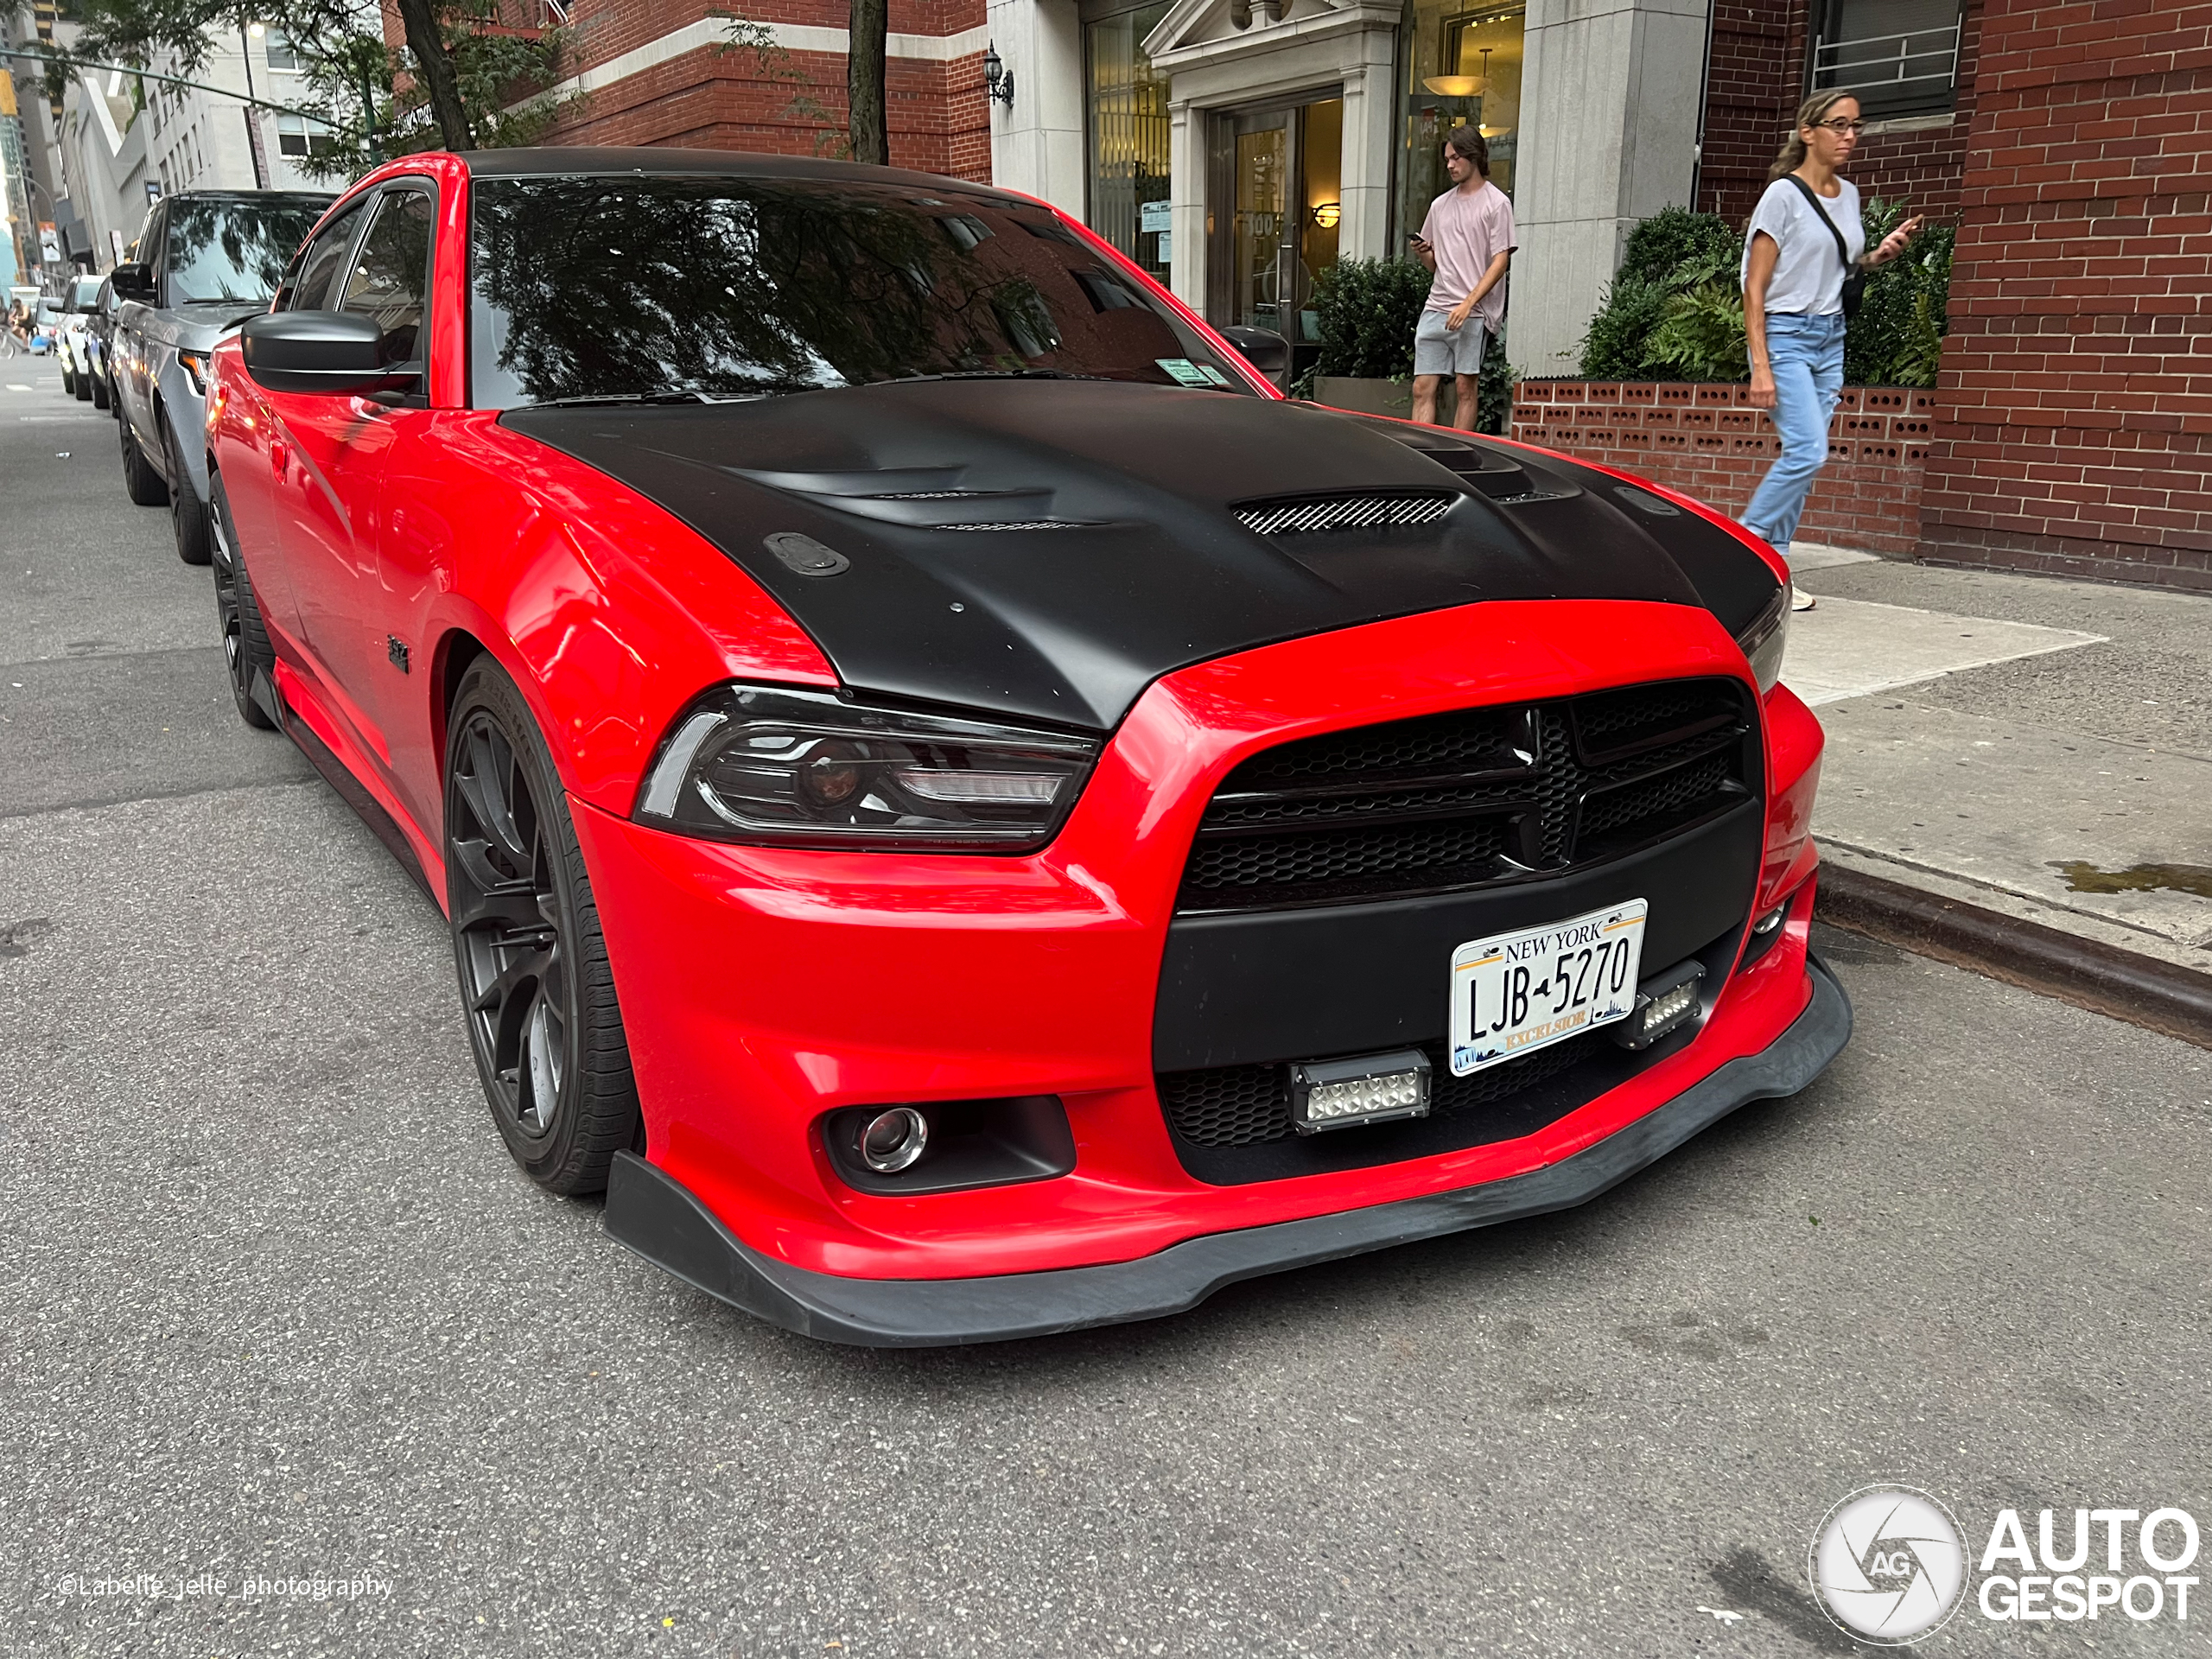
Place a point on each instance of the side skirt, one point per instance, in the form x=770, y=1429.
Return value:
x=350, y=788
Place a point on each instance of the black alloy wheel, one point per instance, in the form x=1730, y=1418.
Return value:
x=535, y=984
x=246, y=650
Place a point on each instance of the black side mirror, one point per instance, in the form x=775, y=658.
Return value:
x=133, y=280
x=329, y=352
x=1264, y=349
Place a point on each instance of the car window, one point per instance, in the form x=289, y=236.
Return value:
x=322, y=261
x=391, y=271
x=599, y=286
x=233, y=249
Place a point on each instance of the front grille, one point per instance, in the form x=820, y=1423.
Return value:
x=1475, y=796
x=1244, y=1105
x=1313, y=514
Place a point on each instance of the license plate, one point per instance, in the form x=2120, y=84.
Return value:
x=1519, y=991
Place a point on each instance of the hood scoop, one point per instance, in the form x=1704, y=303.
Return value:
x=921, y=498
x=1368, y=510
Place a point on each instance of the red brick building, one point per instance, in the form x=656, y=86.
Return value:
x=673, y=72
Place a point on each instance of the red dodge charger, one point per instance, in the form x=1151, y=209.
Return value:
x=961, y=809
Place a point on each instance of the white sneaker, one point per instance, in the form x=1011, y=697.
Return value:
x=1800, y=602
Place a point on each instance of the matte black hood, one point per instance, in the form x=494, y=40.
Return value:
x=1047, y=549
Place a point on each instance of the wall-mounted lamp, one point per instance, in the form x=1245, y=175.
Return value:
x=1328, y=214
x=998, y=79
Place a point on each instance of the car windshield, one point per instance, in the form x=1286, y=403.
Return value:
x=235, y=249
x=628, y=287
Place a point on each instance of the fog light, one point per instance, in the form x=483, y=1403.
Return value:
x=890, y=1141
x=1371, y=1088
x=1664, y=1002
x=1768, y=922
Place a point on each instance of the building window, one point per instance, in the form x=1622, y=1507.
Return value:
x=281, y=55
x=1462, y=68
x=1128, y=122
x=300, y=135
x=1900, y=57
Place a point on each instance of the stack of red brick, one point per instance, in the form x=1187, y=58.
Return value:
x=1708, y=441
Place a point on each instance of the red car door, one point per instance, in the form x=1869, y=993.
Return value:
x=259, y=487
x=329, y=472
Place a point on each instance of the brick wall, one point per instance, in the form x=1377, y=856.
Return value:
x=1754, y=84
x=1708, y=441
x=2077, y=412
x=788, y=103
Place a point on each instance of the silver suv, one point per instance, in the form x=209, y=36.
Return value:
x=208, y=259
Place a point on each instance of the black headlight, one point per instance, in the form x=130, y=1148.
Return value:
x=809, y=769
x=1764, y=641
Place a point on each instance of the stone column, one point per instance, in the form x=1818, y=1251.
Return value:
x=1037, y=146
x=1186, y=154
x=1371, y=137
x=1609, y=104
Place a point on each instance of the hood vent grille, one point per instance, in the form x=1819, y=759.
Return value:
x=1314, y=515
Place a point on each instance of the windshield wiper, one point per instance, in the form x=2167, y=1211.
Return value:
x=774, y=390
x=622, y=397
x=994, y=374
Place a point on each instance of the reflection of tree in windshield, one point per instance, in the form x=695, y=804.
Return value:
x=235, y=250
x=594, y=287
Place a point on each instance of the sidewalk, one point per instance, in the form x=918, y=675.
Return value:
x=2017, y=750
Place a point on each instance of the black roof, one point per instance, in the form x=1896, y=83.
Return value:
x=528, y=162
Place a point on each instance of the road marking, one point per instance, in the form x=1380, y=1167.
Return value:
x=17, y=385
x=1851, y=647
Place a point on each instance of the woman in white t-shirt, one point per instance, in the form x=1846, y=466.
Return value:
x=1793, y=279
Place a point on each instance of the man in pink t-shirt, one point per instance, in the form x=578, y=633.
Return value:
x=1467, y=241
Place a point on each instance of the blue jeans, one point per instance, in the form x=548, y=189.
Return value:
x=1806, y=353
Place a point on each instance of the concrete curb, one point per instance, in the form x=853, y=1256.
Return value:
x=2142, y=990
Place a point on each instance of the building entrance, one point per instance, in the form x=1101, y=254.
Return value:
x=1273, y=205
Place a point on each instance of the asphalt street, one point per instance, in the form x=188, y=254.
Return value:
x=278, y=1306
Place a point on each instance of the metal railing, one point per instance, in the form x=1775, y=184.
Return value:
x=1894, y=52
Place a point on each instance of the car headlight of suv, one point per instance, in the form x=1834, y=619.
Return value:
x=772, y=764
x=1764, y=641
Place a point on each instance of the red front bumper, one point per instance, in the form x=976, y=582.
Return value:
x=763, y=987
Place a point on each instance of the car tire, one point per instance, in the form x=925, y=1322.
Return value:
x=188, y=513
x=246, y=650
x=84, y=386
x=536, y=988
x=144, y=485
x=100, y=399
x=68, y=379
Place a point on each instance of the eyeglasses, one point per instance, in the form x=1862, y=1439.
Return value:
x=1854, y=128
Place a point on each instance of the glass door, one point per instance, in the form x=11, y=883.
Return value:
x=1274, y=207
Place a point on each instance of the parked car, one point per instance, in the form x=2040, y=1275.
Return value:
x=961, y=809
x=207, y=260
x=46, y=324
x=99, y=330
x=73, y=343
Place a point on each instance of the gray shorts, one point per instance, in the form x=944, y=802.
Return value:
x=1438, y=350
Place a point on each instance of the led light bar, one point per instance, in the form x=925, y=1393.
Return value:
x=1664, y=1002
x=1370, y=1089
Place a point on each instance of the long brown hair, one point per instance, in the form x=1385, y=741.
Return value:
x=1811, y=113
x=1470, y=143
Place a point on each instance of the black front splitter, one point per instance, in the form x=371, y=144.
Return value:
x=661, y=1219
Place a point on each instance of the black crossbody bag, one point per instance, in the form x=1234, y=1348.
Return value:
x=1854, y=278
